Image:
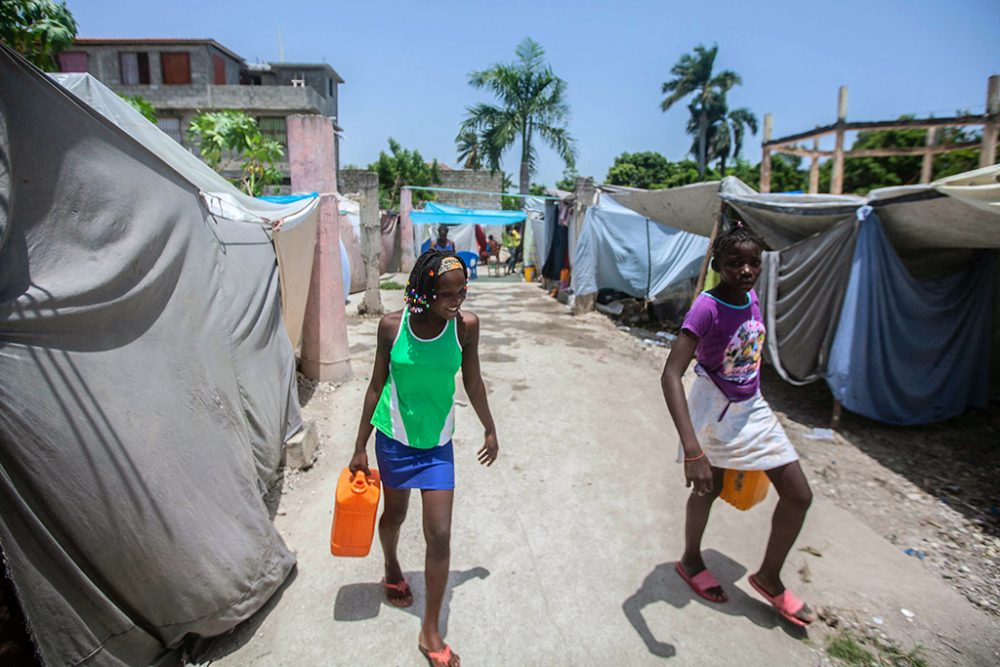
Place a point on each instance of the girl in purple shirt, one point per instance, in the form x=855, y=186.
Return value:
x=726, y=423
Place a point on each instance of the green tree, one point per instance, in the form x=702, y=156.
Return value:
x=402, y=167
x=37, y=29
x=693, y=76
x=652, y=171
x=142, y=105
x=568, y=181
x=864, y=174
x=640, y=170
x=235, y=135
x=532, y=105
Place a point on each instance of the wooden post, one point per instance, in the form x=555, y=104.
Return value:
x=406, y=244
x=703, y=273
x=837, y=179
x=765, y=159
x=838, y=410
x=988, y=151
x=814, y=168
x=371, y=243
x=927, y=166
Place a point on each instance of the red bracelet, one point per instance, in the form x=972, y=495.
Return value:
x=693, y=459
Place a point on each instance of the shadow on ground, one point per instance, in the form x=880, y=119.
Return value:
x=953, y=460
x=363, y=601
x=204, y=651
x=663, y=584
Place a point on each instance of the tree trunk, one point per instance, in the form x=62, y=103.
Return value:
x=525, y=177
x=702, y=140
x=722, y=165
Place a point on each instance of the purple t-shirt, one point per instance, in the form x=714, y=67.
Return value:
x=730, y=343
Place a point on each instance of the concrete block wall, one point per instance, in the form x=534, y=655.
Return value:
x=317, y=79
x=458, y=179
x=103, y=62
x=468, y=179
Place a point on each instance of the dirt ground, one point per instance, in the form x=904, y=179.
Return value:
x=933, y=490
x=575, y=400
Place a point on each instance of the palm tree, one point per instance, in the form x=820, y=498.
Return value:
x=693, y=75
x=726, y=131
x=733, y=128
x=532, y=103
x=467, y=145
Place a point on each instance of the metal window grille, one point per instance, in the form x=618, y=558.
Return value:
x=274, y=128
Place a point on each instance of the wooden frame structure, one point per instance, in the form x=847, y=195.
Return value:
x=990, y=122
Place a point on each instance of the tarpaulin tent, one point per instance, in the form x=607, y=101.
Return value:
x=922, y=343
x=350, y=242
x=442, y=214
x=620, y=249
x=980, y=188
x=804, y=287
x=463, y=233
x=146, y=387
x=293, y=221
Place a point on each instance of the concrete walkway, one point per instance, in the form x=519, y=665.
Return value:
x=563, y=550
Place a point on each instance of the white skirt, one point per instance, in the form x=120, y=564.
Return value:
x=743, y=435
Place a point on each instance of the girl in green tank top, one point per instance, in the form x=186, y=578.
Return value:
x=411, y=402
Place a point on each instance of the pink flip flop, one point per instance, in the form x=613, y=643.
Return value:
x=701, y=583
x=787, y=604
x=435, y=658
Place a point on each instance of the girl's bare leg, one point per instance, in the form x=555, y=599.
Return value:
x=794, y=498
x=437, y=533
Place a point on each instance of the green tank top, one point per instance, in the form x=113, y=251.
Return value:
x=417, y=405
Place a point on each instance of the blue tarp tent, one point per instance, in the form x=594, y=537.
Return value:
x=441, y=214
x=464, y=221
x=910, y=351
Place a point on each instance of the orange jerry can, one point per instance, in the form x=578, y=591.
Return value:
x=354, y=513
x=744, y=488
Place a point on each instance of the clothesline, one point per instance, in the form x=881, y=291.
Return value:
x=476, y=192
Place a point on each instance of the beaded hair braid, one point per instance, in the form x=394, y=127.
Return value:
x=738, y=235
x=421, y=288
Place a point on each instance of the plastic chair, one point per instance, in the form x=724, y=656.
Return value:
x=471, y=260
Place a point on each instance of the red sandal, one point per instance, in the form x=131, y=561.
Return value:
x=701, y=583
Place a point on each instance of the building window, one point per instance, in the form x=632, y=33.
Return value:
x=176, y=68
x=329, y=86
x=219, y=70
x=171, y=126
x=274, y=128
x=134, y=68
x=72, y=61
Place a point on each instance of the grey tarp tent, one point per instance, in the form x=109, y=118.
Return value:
x=293, y=224
x=146, y=387
x=804, y=281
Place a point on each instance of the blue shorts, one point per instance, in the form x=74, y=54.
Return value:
x=403, y=467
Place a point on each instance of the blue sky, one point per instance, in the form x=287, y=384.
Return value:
x=406, y=64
